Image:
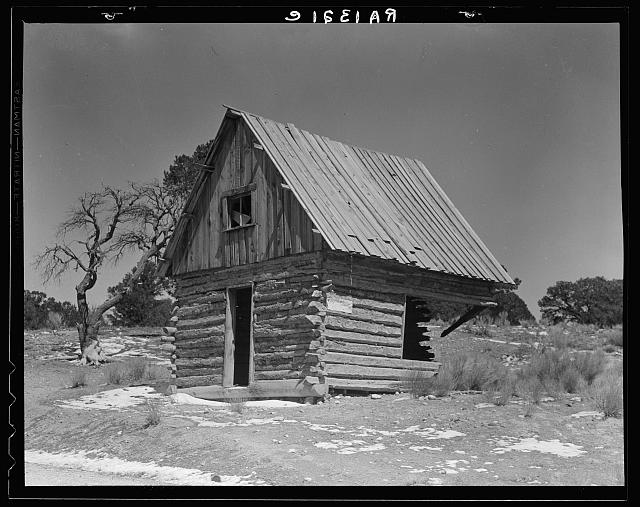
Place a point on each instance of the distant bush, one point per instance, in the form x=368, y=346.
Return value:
x=586, y=301
x=527, y=323
x=140, y=306
x=41, y=312
x=511, y=305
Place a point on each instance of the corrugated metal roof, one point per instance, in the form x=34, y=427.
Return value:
x=375, y=204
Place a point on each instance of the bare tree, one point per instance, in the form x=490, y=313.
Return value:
x=142, y=218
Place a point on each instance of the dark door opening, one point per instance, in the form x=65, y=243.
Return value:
x=416, y=315
x=241, y=335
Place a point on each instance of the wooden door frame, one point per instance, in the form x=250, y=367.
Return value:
x=404, y=320
x=229, y=338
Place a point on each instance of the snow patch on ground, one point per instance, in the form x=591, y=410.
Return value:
x=588, y=413
x=424, y=447
x=113, y=399
x=433, y=434
x=554, y=446
x=187, y=399
x=248, y=422
x=498, y=341
x=112, y=465
x=349, y=446
x=273, y=404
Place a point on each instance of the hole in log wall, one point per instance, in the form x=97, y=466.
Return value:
x=417, y=314
x=241, y=335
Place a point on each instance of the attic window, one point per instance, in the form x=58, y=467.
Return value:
x=239, y=210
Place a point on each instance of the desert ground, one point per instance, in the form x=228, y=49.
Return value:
x=86, y=426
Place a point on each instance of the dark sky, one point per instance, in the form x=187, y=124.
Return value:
x=520, y=124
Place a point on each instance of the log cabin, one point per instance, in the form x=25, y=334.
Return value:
x=303, y=264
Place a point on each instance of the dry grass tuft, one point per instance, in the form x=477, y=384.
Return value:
x=613, y=336
x=236, y=400
x=78, y=378
x=115, y=373
x=136, y=368
x=590, y=364
x=418, y=383
x=154, y=414
x=607, y=393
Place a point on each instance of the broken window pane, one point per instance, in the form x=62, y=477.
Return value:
x=239, y=210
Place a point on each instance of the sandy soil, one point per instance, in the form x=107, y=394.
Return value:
x=348, y=440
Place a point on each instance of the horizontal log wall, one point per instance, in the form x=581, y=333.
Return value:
x=398, y=279
x=288, y=311
x=310, y=318
x=363, y=339
x=199, y=335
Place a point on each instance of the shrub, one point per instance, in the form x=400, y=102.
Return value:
x=115, y=373
x=613, y=336
x=502, y=319
x=136, y=368
x=78, y=378
x=557, y=371
x=464, y=371
x=153, y=414
x=607, y=394
x=500, y=391
x=418, y=383
x=156, y=372
x=530, y=389
x=483, y=325
x=443, y=383
x=558, y=339
x=479, y=371
x=529, y=409
x=570, y=380
x=590, y=364
x=236, y=401
x=548, y=365
x=527, y=323
x=586, y=301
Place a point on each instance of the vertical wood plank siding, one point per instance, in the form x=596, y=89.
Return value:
x=281, y=225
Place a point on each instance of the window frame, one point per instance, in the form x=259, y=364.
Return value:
x=237, y=193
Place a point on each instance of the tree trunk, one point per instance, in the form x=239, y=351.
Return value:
x=90, y=321
x=89, y=325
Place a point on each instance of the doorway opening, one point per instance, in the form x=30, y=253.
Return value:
x=240, y=303
x=415, y=333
